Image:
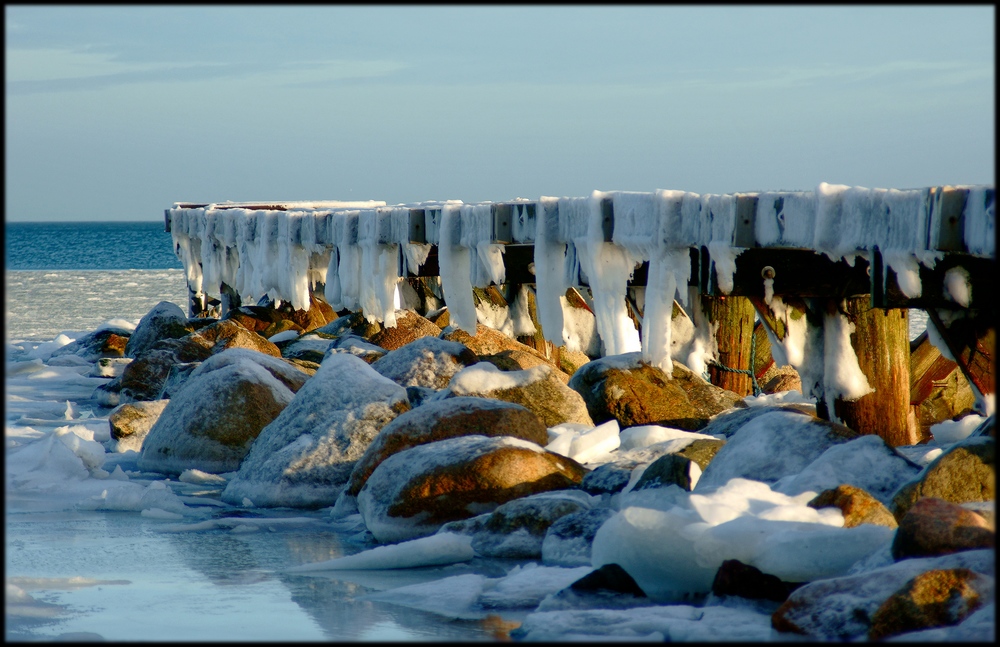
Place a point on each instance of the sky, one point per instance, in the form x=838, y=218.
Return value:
x=116, y=112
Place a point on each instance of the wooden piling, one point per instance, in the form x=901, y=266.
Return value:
x=230, y=298
x=734, y=317
x=881, y=341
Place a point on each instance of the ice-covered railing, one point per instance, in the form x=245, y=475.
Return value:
x=359, y=250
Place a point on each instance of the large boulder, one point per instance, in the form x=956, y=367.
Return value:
x=963, y=473
x=131, y=422
x=409, y=327
x=221, y=336
x=449, y=418
x=145, y=377
x=292, y=375
x=537, y=389
x=210, y=424
x=310, y=347
x=842, y=608
x=267, y=319
x=428, y=362
x=938, y=598
x=165, y=321
x=771, y=446
x=305, y=456
x=413, y=492
x=935, y=527
x=633, y=393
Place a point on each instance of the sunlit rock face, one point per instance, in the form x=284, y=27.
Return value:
x=414, y=492
x=634, y=393
x=211, y=423
x=304, y=458
x=449, y=418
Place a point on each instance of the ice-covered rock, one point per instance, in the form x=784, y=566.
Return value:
x=291, y=375
x=415, y=491
x=428, y=362
x=771, y=446
x=866, y=462
x=537, y=389
x=568, y=540
x=517, y=528
x=674, y=552
x=305, y=456
x=109, y=342
x=213, y=420
x=164, y=321
x=145, y=377
x=963, y=473
x=449, y=418
x=633, y=393
x=309, y=346
x=131, y=422
x=841, y=608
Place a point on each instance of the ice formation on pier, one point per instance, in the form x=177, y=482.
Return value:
x=358, y=252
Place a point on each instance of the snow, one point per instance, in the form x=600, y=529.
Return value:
x=952, y=431
x=957, y=286
x=484, y=377
x=586, y=446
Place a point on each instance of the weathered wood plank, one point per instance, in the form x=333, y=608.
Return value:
x=882, y=344
x=734, y=316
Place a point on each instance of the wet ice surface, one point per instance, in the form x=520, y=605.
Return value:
x=115, y=575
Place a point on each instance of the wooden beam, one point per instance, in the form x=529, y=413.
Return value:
x=971, y=340
x=796, y=272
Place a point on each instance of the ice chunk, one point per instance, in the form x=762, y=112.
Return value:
x=435, y=550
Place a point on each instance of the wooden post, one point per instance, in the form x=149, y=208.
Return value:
x=881, y=341
x=970, y=341
x=734, y=316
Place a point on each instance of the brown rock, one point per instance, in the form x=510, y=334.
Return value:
x=97, y=345
x=449, y=418
x=963, y=473
x=409, y=327
x=440, y=318
x=211, y=423
x=643, y=395
x=545, y=395
x=857, y=505
x=254, y=318
x=489, y=342
x=451, y=479
x=745, y=581
x=221, y=336
x=280, y=327
x=318, y=314
x=783, y=381
x=936, y=527
x=164, y=321
x=143, y=379
x=131, y=422
x=938, y=598
x=570, y=361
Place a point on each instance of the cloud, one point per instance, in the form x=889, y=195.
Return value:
x=30, y=71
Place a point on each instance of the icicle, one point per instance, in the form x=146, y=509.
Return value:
x=455, y=268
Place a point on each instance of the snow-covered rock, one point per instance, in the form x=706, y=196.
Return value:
x=771, y=446
x=214, y=419
x=428, y=362
x=164, y=321
x=305, y=456
x=131, y=422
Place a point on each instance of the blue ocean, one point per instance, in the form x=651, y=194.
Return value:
x=89, y=246
x=70, y=277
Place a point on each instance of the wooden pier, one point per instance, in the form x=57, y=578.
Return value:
x=784, y=256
